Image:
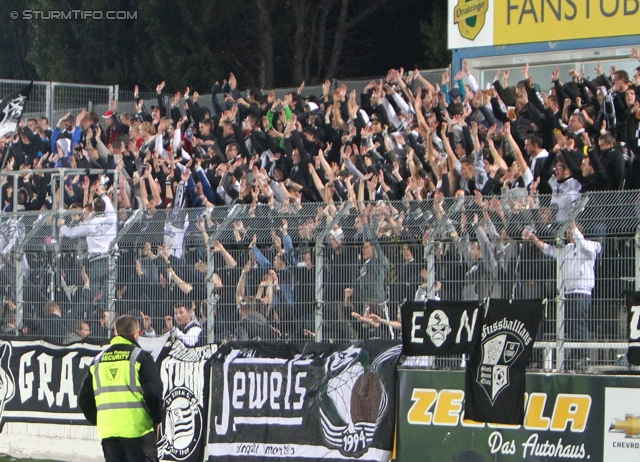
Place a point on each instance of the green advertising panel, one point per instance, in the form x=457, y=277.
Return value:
x=567, y=417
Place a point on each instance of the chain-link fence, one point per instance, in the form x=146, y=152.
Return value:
x=323, y=272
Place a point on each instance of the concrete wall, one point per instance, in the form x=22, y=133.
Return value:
x=72, y=443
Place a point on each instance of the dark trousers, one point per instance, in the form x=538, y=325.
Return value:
x=576, y=318
x=141, y=449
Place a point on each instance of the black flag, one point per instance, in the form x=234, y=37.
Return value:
x=11, y=108
x=633, y=321
x=495, y=376
x=435, y=328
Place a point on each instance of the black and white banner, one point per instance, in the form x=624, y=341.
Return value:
x=495, y=375
x=11, y=107
x=39, y=383
x=435, y=328
x=633, y=321
x=185, y=384
x=303, y=402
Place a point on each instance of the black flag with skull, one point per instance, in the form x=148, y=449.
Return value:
x=436, y=328
x=11, y=108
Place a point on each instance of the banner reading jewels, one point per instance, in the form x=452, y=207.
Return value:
x=312, y=402
x=566, y=417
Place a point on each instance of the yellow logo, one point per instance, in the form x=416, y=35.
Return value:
x=469, y=15
x=630, y=426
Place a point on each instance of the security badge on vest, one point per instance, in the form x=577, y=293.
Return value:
x=119, y=399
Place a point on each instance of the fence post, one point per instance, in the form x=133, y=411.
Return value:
x=15, y=193
x=116, y=93
x=19, y=253
x=111, y=93
x=111, y=288
x=48, y=105
x=560, y=303
x=54, y=267
x=431, y=282
x=637, y=258
x=429, y=256
x=212, y=300
x=319, y=313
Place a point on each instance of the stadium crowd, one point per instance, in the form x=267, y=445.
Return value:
x=473, y=176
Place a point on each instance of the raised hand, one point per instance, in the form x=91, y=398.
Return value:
x=599, y=70
x=445, y=78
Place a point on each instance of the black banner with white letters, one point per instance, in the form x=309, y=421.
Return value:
x=495, y=375
x=39, y=382
x=633, y=323
x=303, y=402
x=435, y=328
x=185, y=387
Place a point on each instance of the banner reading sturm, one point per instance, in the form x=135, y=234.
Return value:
x=185, y=386
x=434, y=328
x=303, y=402
x=495, y=376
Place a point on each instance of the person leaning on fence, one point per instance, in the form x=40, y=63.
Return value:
x=186, y=326
x=122, y=395
x=579, y=258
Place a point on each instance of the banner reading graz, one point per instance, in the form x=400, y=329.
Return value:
x=567, y=417
x=303, y=402
x=39, y=382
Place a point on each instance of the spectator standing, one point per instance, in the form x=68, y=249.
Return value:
x=578, y=277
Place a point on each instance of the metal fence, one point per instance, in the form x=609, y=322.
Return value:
x=72, y=97
x=326, y=272
x=54, y=99
x=39, y=102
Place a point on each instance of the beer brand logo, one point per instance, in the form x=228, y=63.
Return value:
x=470, y=16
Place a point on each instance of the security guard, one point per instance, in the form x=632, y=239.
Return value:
x=122, y=394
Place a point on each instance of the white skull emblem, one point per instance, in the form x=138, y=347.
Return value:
x=438, y=328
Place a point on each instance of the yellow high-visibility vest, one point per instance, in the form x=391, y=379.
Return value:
x=120, y=403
